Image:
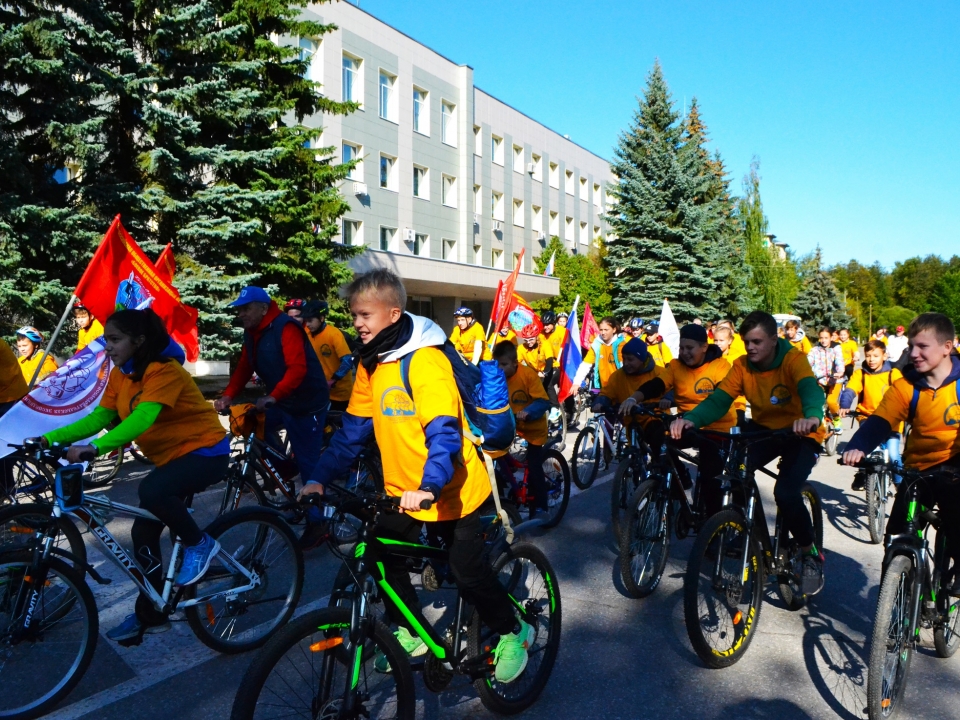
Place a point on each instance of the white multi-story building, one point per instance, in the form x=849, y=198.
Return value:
x=451, y=182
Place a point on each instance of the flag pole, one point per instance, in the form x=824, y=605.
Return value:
x=53, y=339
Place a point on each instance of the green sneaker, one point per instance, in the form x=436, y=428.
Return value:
x=412, y=645
x=510, y=656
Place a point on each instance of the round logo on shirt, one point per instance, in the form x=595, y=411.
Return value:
x=520, y=397
x=780, y=395
x=326, y=350
x=704, y=386
x=396, y=403
x=951, y=416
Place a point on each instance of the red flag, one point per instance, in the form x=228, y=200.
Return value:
x=590, y=329
x=495, y=312
x=166, y=266
x=120, y=275
x=502, y=304
x=521, y=317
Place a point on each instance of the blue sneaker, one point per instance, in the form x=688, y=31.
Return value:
x=131, y=627
x=196, y=560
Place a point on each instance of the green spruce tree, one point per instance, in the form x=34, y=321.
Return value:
x=818, y=303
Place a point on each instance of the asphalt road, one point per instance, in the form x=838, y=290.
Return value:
x=619, y=657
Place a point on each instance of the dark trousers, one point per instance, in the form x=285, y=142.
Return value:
x=305, y=433
x=473, y=574
x=339, y=405
x=947, y=500
x=709, y=464
x=162, y=493
x=536, y=482
x=797, y=456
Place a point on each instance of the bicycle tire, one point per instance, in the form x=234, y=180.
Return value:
x=19, y=525
x=77, y=615
x=627, y=480
x=257, y=538
x=30, y=478
x=585, y=470
x=649, y=513
x=101, y=470
x=739, y=623
x=830, y=444
x=891, y=623
x=556, y=473
x=946, y=635
x=876, y=508
x=286, y=665
x=138, y=455
x=523, y=570
x=787, y=589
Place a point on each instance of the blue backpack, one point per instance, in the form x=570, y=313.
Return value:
x=484, y=394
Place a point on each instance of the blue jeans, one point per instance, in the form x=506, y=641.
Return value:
x=305, y=433
x=892, y=446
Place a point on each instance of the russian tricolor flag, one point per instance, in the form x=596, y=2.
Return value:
x=549, y=271
x=571, y=356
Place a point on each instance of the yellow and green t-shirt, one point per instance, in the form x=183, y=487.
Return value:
x=691, y=386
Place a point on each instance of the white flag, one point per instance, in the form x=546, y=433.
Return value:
x=70, y=393
x=669, y=330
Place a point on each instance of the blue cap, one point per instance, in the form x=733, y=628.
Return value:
x=250, y=294
x=637, y=348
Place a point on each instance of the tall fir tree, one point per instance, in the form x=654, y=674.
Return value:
x=818, y=303
x=579, y=274
x=663, y=222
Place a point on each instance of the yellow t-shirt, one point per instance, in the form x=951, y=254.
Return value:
x=556, y=340
x=29, y=365
x=772, y=394
x=608, y=363
x=660, y=352
x=935, y=433
x=498, y=338
x=86, y=335
x=330, y=346
x=536, y=357
x=465, y=340
x=872, y=387
x=732, y=353
x=850, y=351
x=186, y=423
x=691, y=386
x=398, y=425
x=620, y=386
x=803, y=344
x=524, y=388
x=13, y=386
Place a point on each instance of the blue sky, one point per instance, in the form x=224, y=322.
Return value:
x=851, y=107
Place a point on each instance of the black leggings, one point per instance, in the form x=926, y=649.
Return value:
x=162, y=493
x=797, y=456
x=473, y=574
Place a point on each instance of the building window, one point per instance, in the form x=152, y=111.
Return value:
x=496, y=258
x=568, y=182
x=352, y=86
x=536, y=218
x=421, y=245
x=352, y=232
x=387, y=237
x=311, y=55
x=496, y=205
x=555, y=175
x=477, y=200
x=537, y=167
x=496, y=149
x=421, y=112
x=554, y=223
x=516, y=258
x=449, y=191
x=419, y=305
x=518, y=213
x=583, y=188
x=584, y=238
x=388, y=103
x=349, y=153
x=478, y=141
x=596, y=194
x=388, y=172
x=518, y=159
x=478, y=254
x=421, y=182
x=448, y=123
x=449, y=249
x=597, y=236
x=568, y=229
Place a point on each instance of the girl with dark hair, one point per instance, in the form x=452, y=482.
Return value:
x=160, y=406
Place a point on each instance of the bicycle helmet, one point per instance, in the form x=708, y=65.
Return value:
x=549, y=318
x=294, y=304
x=635, y=324
x=315, y=309
x=78, y=305
x=31, y=334
x=651, y=328
x=463, y=312
x=562, y=315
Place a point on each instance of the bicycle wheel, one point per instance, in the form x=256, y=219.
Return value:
x=626, y=481
x=891, y=647
x=102, y=469
x=645, y=545
x=29, y=479
x=586, y=457
x=788, y=583
x=946, y=633
x=40, y=668
x=264, y=544
x=22, y=528
x=830, y=444
x=138, y=455
x=527, y=575
x=876, y=507
x=304, y=670
x=557, y=477
x=721, y=600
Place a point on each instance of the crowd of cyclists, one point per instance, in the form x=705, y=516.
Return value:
x=394, y=387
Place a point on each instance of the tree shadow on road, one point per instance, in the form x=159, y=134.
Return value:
x=756, y=709
x=846, y=510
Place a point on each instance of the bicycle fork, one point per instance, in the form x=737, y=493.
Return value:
x=34, y=579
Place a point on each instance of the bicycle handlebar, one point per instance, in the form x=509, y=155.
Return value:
x=55, y=452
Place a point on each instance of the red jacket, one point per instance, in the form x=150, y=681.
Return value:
x=293, y=355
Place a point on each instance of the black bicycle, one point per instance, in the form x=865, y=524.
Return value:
x=734, y=555
x=323, y=665
x=911, y=596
